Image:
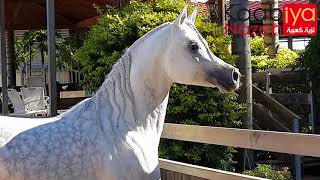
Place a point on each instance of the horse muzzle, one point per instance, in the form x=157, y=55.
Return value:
x=227, y=78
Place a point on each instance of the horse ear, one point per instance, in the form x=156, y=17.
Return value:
x=182, y=17
x=193, y=16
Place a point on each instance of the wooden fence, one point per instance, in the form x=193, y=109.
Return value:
x=181, y=171
x=291, y=143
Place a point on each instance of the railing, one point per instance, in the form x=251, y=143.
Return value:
x=291, y=143
x=172, y=170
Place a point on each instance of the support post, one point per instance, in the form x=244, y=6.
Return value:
x=268, y=84
x=217, y=11
x=52, y=57
x=313, y=108
x=297, y=158
x=4, y=83
x=11, y=59
x=271, y=35
x=241, y=47
x=290, y=42
x=222, y=12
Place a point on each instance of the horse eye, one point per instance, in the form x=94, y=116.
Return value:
x=193, y=46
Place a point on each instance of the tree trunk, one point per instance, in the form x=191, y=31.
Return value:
x=316, y=105
x=316, y=91
x=217, y=12
x=30, y=60
x=42, y=58
x=271, y=26
x=42, y=62
x=241, y=47
x=11, y=58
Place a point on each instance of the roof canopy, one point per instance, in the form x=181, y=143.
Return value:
x=31, y=14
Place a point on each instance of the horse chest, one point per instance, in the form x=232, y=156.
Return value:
x=127, y=160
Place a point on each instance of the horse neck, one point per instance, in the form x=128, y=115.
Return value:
x=137, y=90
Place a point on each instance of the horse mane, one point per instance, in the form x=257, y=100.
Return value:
x=126, y=57
x=125, y=60
x=117, y=81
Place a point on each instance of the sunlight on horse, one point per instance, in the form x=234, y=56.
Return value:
x=115, y=134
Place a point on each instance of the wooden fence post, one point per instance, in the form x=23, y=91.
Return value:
x=241, y=47
x=297, y=158
x=268, y=84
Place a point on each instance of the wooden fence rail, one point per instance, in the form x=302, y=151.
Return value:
x=282, y=78
x=291, y=143
x=178, y=170
x=283, y=142
x=273, y=105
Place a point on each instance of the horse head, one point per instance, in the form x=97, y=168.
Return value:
x=190, y=60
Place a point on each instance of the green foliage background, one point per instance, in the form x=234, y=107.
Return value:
x=118, y=29
x=266, y=171
x=261, y=61
x=34, y=39
x=310, y=59
x=34, y=42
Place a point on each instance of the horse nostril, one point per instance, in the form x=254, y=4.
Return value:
x=235, y=76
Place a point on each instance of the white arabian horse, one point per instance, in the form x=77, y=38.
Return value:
x=115, y=134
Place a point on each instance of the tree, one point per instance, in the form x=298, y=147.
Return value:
x=241, y=47
x=271, y=36
x=34, y=42
x=310, y=62
x=118, y=29
x=29, y=45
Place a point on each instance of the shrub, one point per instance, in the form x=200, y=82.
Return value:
x=266, y=171
x=257, y=46
x=261, y=61
x=119, y=28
